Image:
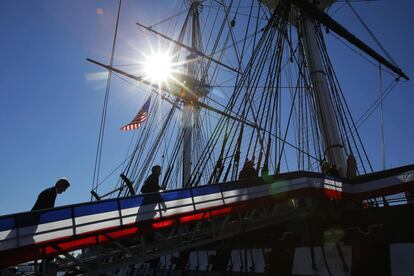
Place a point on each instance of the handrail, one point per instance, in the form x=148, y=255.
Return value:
x=123, y=216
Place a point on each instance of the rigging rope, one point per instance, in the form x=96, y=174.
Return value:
x=167, y=19
x=98, y=157
x=371, y=33
x=347, y=123
x=360, y=54
x=375, y=104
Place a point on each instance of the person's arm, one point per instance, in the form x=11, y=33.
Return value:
x=160, y=188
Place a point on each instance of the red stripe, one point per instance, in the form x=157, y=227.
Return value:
x=136, y=122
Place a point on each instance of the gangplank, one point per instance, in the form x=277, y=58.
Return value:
x=125, y=231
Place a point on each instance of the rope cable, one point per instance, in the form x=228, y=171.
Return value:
x=99, y=149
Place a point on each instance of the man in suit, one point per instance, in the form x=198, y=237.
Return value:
x=151, y=185
x=47, y=198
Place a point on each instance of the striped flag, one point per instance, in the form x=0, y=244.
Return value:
x=140, y=118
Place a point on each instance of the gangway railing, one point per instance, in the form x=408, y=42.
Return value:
x=42, y=234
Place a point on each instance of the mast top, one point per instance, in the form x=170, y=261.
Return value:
x=315, y=9
x=321, y=4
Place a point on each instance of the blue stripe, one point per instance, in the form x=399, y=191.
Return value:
x=131, y=202
x=27, y=219
x=151, y=198
x=6, y=224
x=174, y=195
x=204, y=190
x=55, y=215
x=34, y=218
x=96, y=208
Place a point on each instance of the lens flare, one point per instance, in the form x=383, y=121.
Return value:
x=158, y=67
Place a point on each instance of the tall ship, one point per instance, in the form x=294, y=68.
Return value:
x=260, y=166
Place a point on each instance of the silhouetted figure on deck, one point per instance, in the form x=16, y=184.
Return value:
x=325, y=166
x=248, y=170
x=47, y=198
x=351, y=166
x=333, y=171
x=151, y=185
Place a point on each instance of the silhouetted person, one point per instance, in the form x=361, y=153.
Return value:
x=248, y=170
x=351, y=166
x=151, y=185
x=47, y=198
x=325, y=166
x=333, y=171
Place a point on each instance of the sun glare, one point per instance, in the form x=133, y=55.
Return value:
x=158, y=67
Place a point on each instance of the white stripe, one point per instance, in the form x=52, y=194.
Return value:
x=30, y=239
x=178, y=202
x=53, y=235
x=33, y=229
x=235, y=192
x=380, y=183
x=207, y=197
x=129, y=211
x=96, y=217
x=11, y=233
x=140, y=217
x=178, y=210
x=54, y=225
x=265, y=187
x=145, y=212
x=97, y=226
x=151, y=211
x=16, y=243
x=209, y=204
x=236, y=199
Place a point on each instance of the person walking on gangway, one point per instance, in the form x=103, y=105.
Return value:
x=47, y=198
x=151, y=185
x=248, y=170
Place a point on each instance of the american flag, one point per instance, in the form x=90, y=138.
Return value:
x=140, y=118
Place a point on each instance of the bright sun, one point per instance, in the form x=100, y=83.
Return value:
x=158, y=67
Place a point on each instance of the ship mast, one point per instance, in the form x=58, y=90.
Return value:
x=333, y=147
x=334, y=152
x=311, y=12
x=188, y=116
x=190, y=96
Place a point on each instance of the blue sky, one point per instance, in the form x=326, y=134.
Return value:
x=50, y=101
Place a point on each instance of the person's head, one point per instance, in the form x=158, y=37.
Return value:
x=62, y=184
x=156, y=169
